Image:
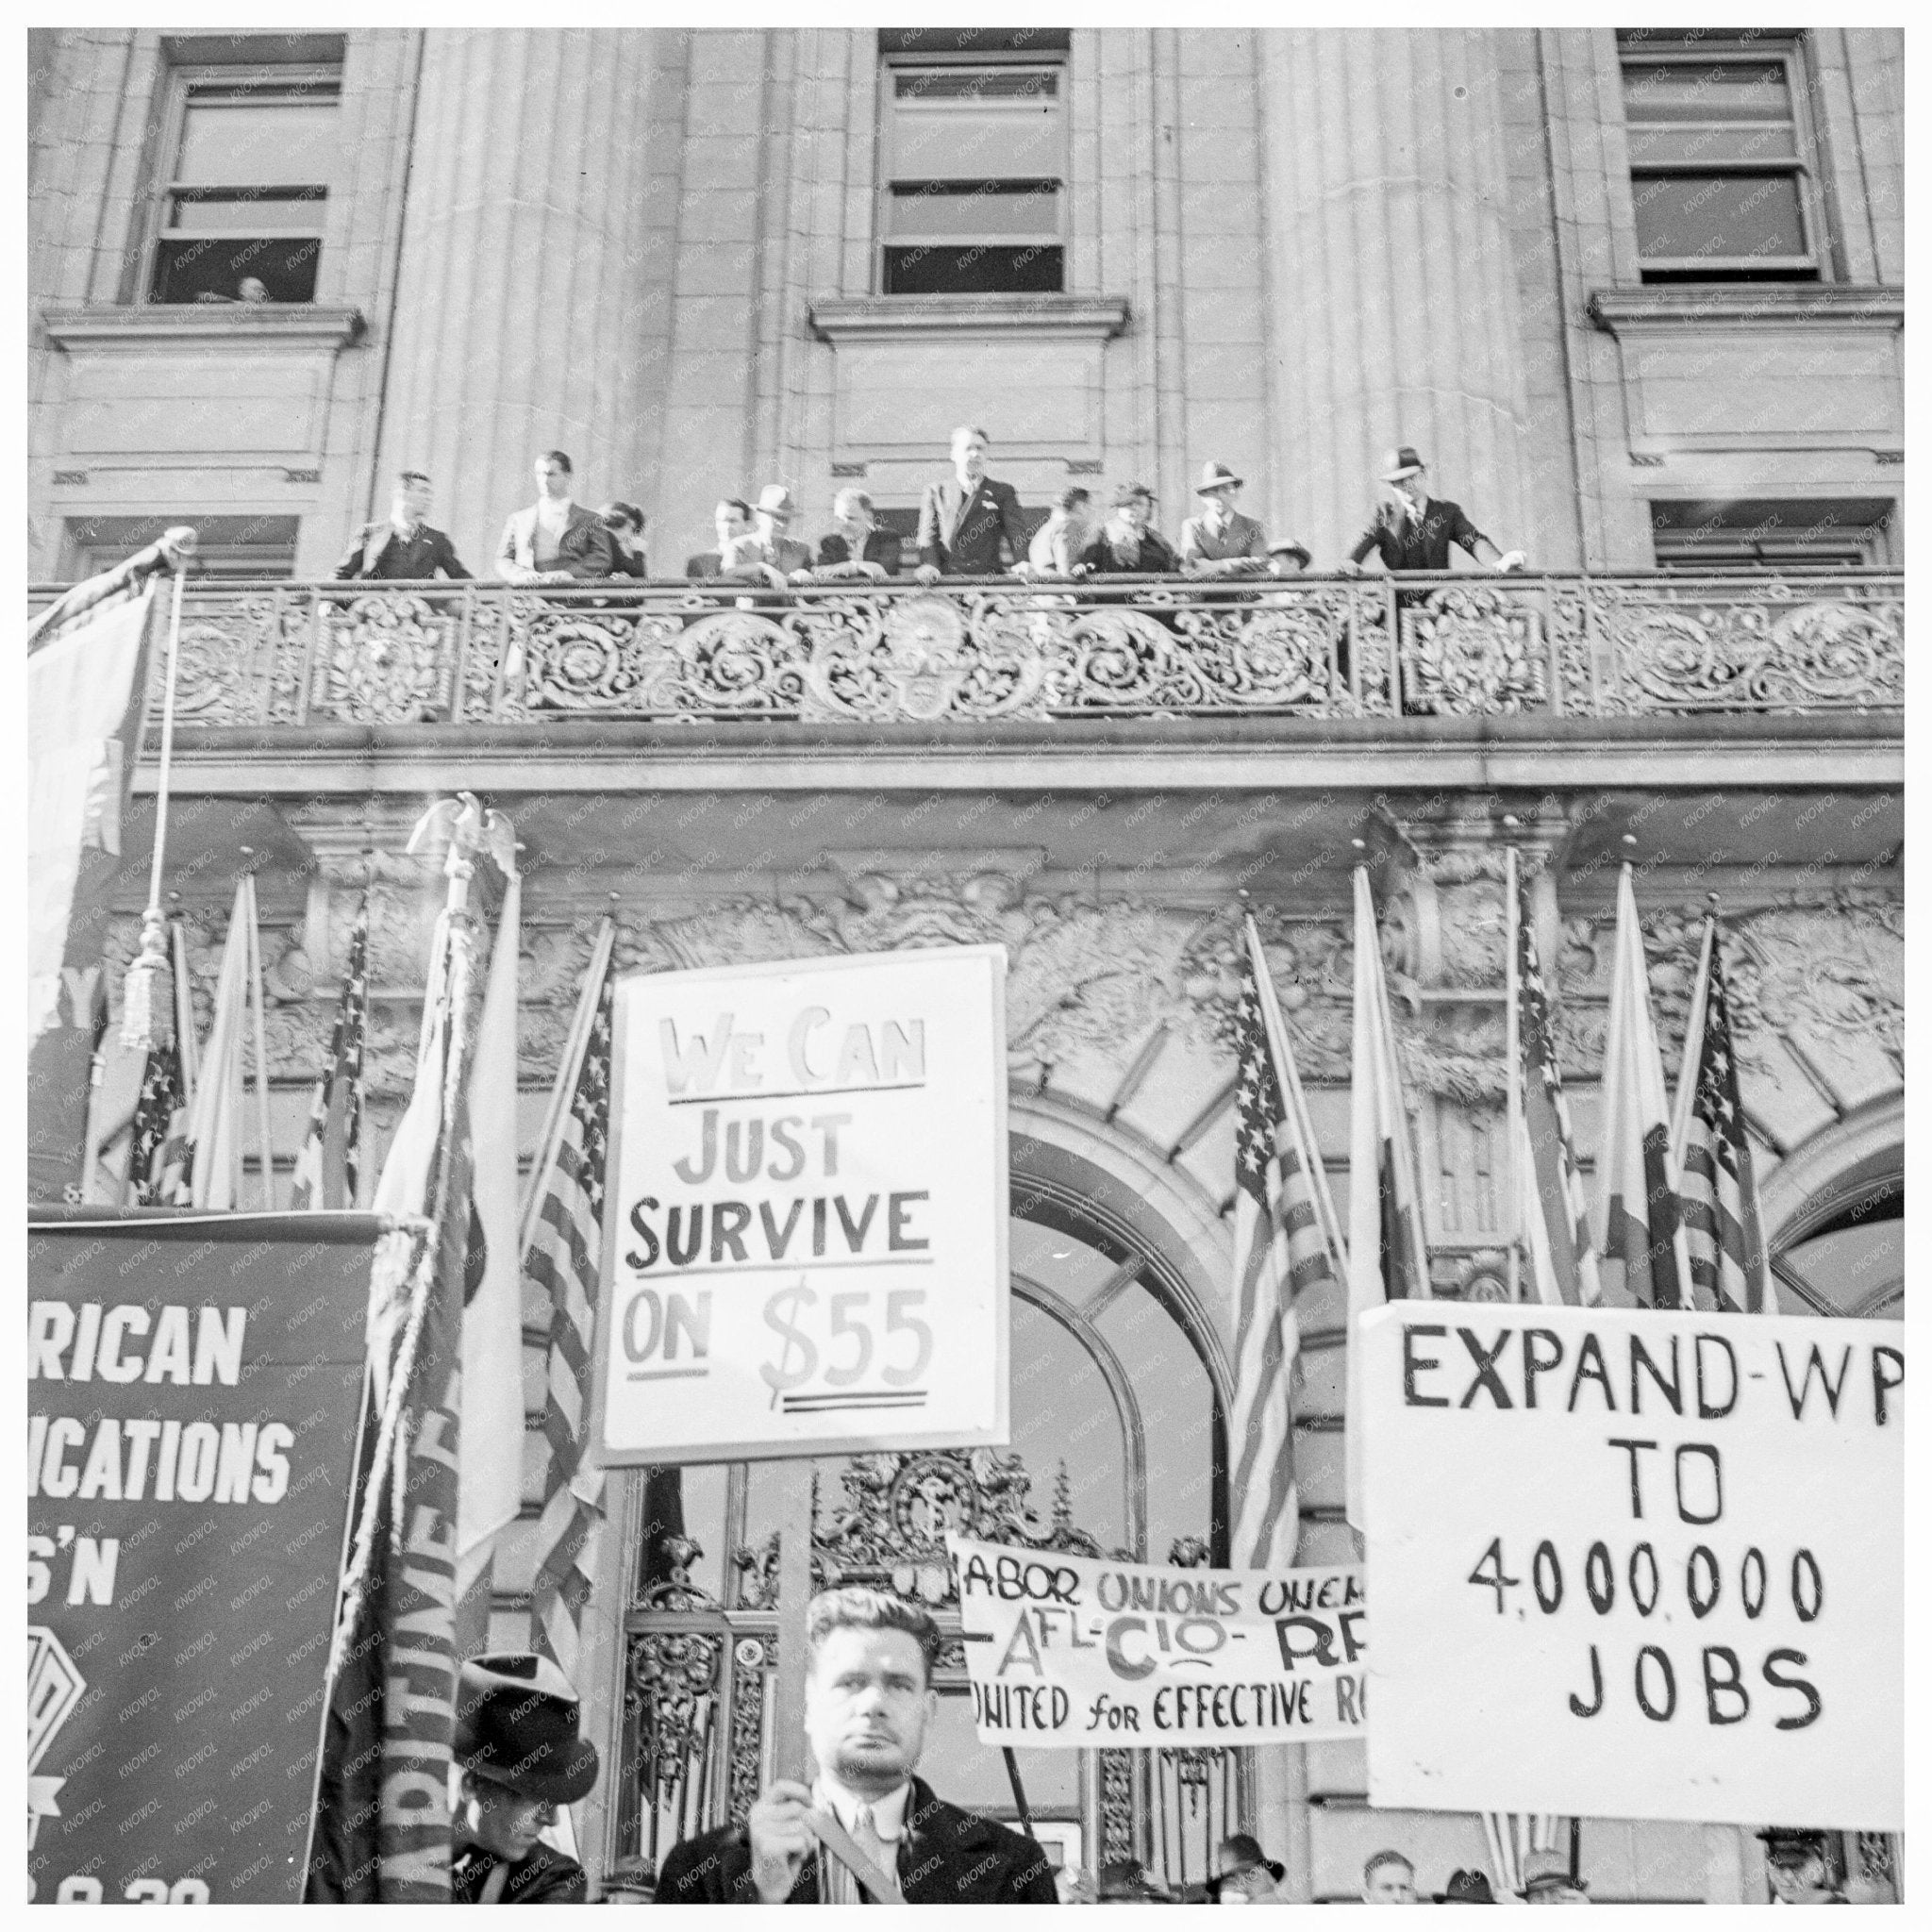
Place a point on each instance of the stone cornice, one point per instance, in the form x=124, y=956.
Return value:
x=841, y=318
x=1715, y=305
x=202, y=325
x=1787, y=753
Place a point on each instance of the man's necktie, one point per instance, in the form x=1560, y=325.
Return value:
x=877, y=1871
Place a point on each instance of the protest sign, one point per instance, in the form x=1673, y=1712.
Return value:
x=1635, y=1564
x=1076, y=1651
x=805, y=1222
x=194, y=1384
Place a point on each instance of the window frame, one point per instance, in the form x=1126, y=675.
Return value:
x=893, y=62
x=1802, y=170
x=1760, y=547
x=183, y=79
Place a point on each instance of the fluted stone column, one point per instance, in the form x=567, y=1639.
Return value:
x=1392, y=290
x=523, y=273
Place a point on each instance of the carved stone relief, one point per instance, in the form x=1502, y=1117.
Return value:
x=890, y=1531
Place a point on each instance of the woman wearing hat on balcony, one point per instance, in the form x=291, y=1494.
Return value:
x=518, y=1741
x=1127, y=544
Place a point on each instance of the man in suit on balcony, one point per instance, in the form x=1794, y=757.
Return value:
x=402, y=545
x=1220, y=541
x=965, y=520
x=554, y=541
x=731, y=519
x=858, y=547
x=1415, y=531
x=866, y=1828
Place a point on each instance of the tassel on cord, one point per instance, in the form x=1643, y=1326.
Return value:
x=147, y=992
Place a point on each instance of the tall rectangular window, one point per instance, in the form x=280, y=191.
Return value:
x=972, y=177
x=1718, y=160
x=239, y=217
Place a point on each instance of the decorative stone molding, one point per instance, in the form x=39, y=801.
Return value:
x=841, y=318
x=203, y=325
x=1843, y=305
x=890, y=1534
x=1832, y=967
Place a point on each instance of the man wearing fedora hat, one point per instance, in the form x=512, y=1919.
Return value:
x=1220, y=541
x=518, y=1741
x=1547, y=1881
x=1797, y=1863
x=1244, y=1873
x=1413, y=530
x=766, y=551
x=866, y=1828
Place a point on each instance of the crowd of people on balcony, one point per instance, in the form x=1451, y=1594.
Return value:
x=971, y=524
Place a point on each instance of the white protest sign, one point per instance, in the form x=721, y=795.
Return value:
x=1635, y=1564
x=805, y=1215
x=1077, y=1651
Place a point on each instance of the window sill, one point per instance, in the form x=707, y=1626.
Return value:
x=202, y=325
x=839, y=318
x=1692, y=304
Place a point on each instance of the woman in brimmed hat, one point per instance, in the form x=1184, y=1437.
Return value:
x=518, y=1741
x=1127, y=544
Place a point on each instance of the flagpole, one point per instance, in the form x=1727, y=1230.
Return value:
x=1512, y=1028
x=264, y=1151
x=184, y=1013
x=138, y=987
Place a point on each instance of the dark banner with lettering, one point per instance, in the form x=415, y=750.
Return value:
x=193, y=1383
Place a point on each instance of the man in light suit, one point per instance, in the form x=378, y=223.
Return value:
x=402, y=545
x=766, y=554
x=1220, y=541
x=554, y=541
x=963, y=521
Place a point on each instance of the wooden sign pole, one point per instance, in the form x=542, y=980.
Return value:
x=790, y=1756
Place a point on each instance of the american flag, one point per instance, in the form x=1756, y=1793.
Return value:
x=1721, y=1227
x=1554, y=1210
x=563, y=1258
x=158, y=1167
x=1280, y=1252
x=326, y=1169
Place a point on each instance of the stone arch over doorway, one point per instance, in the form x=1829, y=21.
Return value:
x=1831, y=1215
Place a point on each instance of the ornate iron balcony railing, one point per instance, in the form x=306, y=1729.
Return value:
x=972, y=651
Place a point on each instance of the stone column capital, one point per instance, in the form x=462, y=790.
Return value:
x=353, y=840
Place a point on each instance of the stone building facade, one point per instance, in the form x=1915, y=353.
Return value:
x=683, y=256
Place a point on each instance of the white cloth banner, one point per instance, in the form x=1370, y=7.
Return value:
x=492, y=1444
x=77, y=688
x=1080, y=1652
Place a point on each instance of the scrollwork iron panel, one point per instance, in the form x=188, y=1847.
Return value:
x=1471, y=645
